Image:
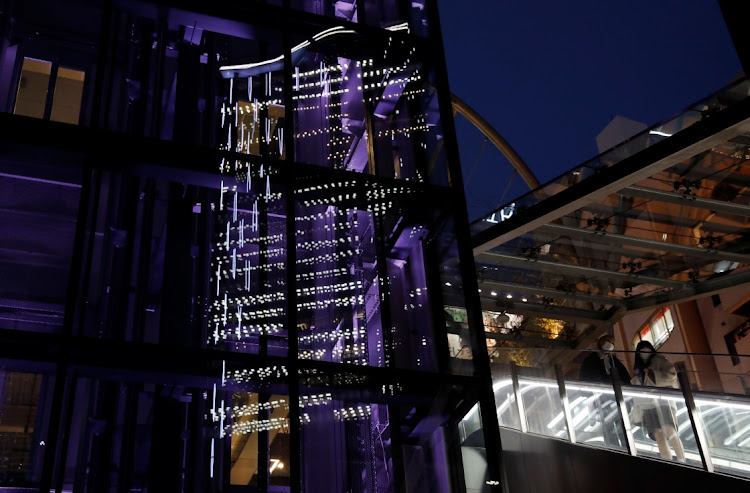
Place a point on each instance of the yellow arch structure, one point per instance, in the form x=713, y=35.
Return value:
x=476, y=119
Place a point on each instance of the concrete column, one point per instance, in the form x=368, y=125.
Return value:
x=694, y=335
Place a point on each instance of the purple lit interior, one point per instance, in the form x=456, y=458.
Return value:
x=198, y=259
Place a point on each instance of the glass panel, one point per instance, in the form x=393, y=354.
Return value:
x=31, y=98
x=596, y=418
x=25, y=411
x=408, y=16
x=723, y=409
x=367, y=277
x=473, y=451
x=196, y=78
x=349, y=89
x=356, y=440
x=329, y=109
x=727, y=424
x=198, y=262
x=248, y=293
x=177, y=432
x=661, y=425
x=39, y=198
x=505, y=398
x=66, y=33
x=341, y=9
x=66, y=104
x=716, y=102
x=544, y=411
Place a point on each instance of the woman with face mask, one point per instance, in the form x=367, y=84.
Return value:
x=659, y=418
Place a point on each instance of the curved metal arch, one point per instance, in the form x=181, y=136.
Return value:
x=494, y=136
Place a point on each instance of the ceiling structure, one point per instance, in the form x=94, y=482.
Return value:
x=663, y=217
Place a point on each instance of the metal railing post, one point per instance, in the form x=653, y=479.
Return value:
x=565, y=403
x=696, y=422
x=624, y=416
x=517, y=393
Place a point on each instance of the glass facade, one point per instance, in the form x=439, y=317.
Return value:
x=231, y=254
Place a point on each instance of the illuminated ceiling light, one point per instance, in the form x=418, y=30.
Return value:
x=524, y=300
x=448, y=284
x=494, y=293
x=509, y=296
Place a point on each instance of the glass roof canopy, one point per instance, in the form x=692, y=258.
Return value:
x=663, y=217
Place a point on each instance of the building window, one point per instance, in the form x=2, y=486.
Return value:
x=31, y=97
x=34, y=86
x=657, y=330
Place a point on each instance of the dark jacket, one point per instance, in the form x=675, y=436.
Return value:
x=594, y=370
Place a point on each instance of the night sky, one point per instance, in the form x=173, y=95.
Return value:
x=550, y=75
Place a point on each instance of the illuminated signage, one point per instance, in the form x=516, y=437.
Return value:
x=502, y=214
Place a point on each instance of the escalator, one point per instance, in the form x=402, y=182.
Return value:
x=580, y=428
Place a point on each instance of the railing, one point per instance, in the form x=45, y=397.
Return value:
x=551, y=400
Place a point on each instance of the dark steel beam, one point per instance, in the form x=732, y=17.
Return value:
x=565, y=313
x=712, y=205
x=661, y=246
x=690, y=292
x=552, y=293
x=576, y=270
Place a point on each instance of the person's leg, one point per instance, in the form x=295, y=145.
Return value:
x=674, y=440
x=661, y=441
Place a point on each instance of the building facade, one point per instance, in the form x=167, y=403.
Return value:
x=230, y=234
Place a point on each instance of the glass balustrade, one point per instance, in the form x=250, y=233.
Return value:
x=541, y=392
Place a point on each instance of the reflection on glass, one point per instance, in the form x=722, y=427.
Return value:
x=362, y=267
x=252, y=116
x=724, y=418
x=256, y=424
x=31, y=97
x=23, y=420
x=341, y=9
x=596, y=418
x=37, y=233
x=329, y=110
x=248, y=266
x=505, y=400
x=175, y=433
x=543, y=408
x=667, y=405
x=657, y=133
x=367, y=107
x=727, y=426
x=360, y=442
x=393, y=14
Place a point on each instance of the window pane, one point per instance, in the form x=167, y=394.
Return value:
x=668, y=319
x=32, y=88
x=66, y=105
x=24, y=417
x=341, y=9
x=39, y=199
x=647, y=334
